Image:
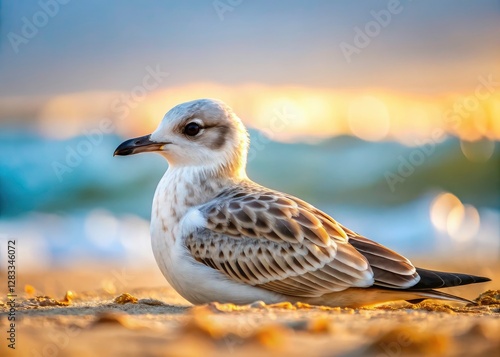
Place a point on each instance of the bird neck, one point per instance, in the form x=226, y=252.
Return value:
x=184, y=187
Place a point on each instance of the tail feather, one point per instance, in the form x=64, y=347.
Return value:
x=430, y=279
x=439, y=295
x=357, y=297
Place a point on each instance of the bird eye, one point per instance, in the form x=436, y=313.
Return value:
x=192, y=129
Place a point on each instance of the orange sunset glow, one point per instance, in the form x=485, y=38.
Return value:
x=305, y=113
x=358, y=214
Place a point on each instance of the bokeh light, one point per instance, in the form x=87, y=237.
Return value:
x=450, y=216
x=478, y=151
x=441, y=208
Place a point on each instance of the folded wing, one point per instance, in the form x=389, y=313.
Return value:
x=280, y=243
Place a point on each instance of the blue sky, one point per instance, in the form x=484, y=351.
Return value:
x=105, y=45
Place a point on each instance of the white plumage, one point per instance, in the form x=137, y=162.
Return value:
x=218, y=236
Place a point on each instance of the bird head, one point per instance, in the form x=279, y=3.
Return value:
x=203, y=133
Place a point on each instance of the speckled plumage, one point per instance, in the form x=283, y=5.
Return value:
x=218, y=236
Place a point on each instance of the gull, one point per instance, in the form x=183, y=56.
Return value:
x=217, y=236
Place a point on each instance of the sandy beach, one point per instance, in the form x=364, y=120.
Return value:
x=137, y=132
x=106, y=311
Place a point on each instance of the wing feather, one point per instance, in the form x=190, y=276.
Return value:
x=280, y=243
x=390, y=269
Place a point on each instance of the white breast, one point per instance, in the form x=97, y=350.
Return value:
x=173, y=217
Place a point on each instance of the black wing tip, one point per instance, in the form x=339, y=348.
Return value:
x=481, y=279
x=431, y=279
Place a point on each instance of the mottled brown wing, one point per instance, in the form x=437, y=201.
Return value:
x=390, y=269
x=277, y=242
x=255, y=212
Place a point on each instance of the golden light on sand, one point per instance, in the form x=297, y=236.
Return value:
x=369, y=118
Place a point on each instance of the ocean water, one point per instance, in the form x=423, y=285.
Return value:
x=71, y=201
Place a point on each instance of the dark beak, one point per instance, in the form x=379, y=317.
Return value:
x=137, y=145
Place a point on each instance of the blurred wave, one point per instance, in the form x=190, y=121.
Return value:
x=66, y=201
